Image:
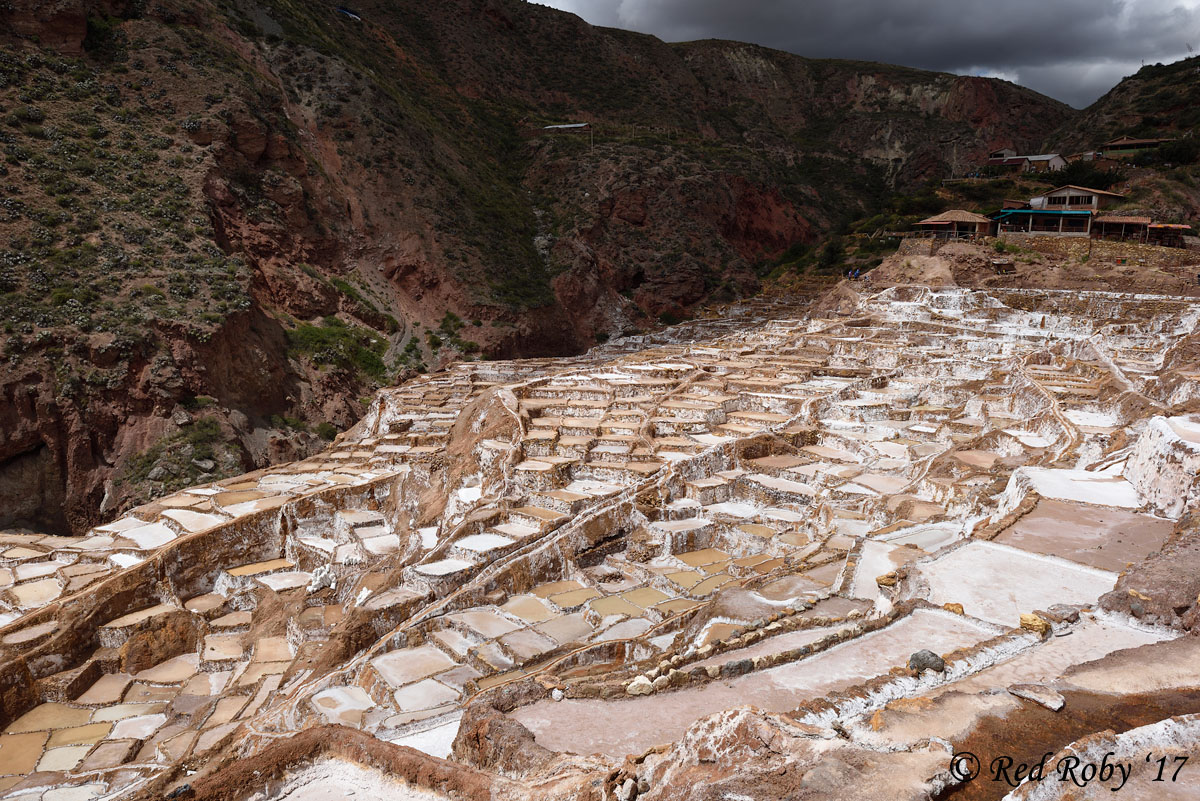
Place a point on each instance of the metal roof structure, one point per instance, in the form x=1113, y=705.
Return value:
x=1010, y=212
x=1081, y=189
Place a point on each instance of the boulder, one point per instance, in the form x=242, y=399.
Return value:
x=926, y=660
x=639, y=686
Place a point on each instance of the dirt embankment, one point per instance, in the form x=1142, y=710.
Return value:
x=1043, y=263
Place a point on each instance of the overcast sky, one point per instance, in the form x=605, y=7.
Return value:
x=1074, y=50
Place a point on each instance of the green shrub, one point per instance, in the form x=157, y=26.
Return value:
x=284, y=421
x=195, y=402
x=339, y=345
x=202, y=435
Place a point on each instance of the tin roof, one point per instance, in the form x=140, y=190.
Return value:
x=1082, y=189
x=1010, y=212
x=1129, y=140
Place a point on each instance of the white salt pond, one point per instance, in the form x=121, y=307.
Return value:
x=1091, y=639
x=336, y=778
x=999, y=583
x=1082, y=417
x=1082, y=486
x=633, y=724
x=436, y=741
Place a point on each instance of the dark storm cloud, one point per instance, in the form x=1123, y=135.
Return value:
x=1074, y=50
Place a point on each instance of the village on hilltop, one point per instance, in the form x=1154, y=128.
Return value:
x=1068, y=210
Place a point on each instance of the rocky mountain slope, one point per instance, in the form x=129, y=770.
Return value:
x=226, y=223
x=1158, y=100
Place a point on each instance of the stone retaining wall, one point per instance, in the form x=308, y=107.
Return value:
x=1077, y=247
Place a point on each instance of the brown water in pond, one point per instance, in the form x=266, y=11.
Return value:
x=1092, y=535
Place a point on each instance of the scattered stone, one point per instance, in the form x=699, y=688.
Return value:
x=639, y=686
x=738, y=667
x=1033, y=623
x=1039, y=694
x=926, y=660
x=887, y=579
x=207, y=465
x=955, y=608
x=1065, y=612
x=556, y=694
x=660, y=682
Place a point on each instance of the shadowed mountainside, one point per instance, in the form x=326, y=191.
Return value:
x=226, y=223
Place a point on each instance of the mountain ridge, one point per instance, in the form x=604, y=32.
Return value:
x=237, y=220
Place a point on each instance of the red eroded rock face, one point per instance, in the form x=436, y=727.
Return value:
x=764, y=222
x=60, y=25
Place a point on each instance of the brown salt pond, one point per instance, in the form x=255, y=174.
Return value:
x=631, y=725
x=1102, y=537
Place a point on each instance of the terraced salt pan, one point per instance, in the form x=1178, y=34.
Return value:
x=1080, y=485
x=927, y=538
x=437, y=741
x=149, y=536
x=999, y=583
x=443, y=567
x=1092, y=638
x=632, y=725
x=343, y=705
x=1029, y=439
x=1099, y=536
x=335, y=778
x=404, y=666
x=1090, y=419
x=1187, y=429
x=875, y=559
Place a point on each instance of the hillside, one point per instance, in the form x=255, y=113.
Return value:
x=1159, y=100
x=226, y=223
